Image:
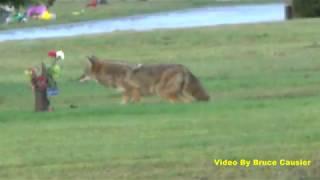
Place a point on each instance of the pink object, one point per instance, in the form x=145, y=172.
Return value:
x=92, y=3
x=36, y=10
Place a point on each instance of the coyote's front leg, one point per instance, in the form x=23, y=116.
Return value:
x=125, y=98
x=135, y=95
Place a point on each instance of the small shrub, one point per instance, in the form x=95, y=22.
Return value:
x=306, y=8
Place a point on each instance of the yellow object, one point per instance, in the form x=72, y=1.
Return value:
x=28, y=73
x=47, y=16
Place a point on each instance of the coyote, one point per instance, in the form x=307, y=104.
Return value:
x=173, y=82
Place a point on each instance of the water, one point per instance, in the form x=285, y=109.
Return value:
x=208, y=16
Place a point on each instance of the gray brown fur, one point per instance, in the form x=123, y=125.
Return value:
x=173, y=82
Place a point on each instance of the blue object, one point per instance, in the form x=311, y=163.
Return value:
x=53, y=91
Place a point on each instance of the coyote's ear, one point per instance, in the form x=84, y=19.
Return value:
x=137, y=67
x=91, y=59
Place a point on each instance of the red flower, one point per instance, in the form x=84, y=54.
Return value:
x=52, y=53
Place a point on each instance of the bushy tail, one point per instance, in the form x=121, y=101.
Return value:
x=193, y=87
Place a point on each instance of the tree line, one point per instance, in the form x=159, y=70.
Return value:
x=23, y=3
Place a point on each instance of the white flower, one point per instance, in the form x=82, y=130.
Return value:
x=60, y=54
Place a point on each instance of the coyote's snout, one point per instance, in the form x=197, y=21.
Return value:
x=173, y=82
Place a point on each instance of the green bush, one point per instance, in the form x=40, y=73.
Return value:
x=306, y=8
x=21, y=3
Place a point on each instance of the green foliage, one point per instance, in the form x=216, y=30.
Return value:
x=15, y=3
x=306, y=8
x=22, y=3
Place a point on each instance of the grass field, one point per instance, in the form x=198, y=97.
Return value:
x=119, y=8
x=264, y=81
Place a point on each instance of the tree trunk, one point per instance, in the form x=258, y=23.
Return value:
x=50, y=3
x=288, y=9
x=289, y=12
x=39, y=84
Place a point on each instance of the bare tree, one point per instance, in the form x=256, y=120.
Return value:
x=50, y=3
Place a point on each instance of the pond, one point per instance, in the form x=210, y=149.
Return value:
x=197, y=17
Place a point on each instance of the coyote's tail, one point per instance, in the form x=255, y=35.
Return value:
x=193, y=87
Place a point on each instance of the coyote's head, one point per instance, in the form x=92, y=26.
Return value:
x=88, y=73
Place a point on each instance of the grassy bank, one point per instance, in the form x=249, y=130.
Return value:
x=118, y=8
x=264, y=82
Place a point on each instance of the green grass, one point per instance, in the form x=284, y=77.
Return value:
x=264, y=81
x=119, y=8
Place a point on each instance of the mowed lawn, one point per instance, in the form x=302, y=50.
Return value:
x=264, y=81
x=68, y=10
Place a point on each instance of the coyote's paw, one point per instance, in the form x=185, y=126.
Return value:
x=124, y=102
